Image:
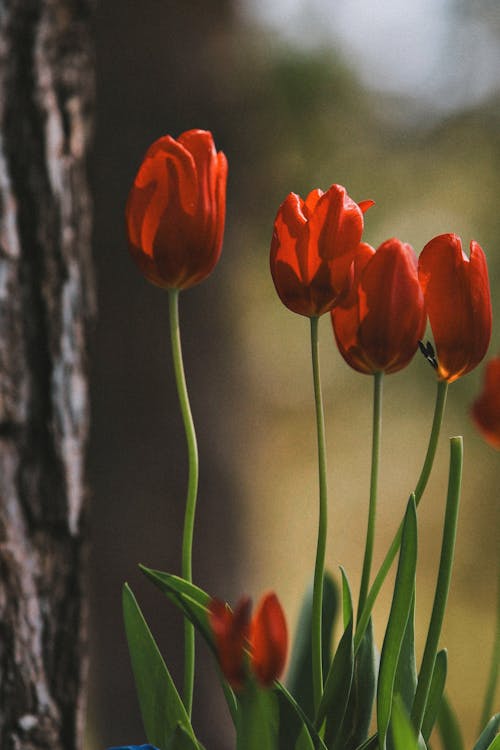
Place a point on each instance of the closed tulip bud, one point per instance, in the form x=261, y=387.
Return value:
x=260, y=644
x=457, y=298
x=313, y=246
x=176, y=208
x=378, y=325
x=486, y=408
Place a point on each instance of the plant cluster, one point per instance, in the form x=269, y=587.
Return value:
x=379, y=302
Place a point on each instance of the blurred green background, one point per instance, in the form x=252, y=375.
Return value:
x=400, y=105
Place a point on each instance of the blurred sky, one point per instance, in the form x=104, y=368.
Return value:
x=443, y=53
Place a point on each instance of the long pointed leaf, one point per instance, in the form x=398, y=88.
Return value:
x=495, y=745
x=358, y=713
x=292, y=722
x=299, y=680
x=347, y=610
x=405, y=681
x=435, y=693
x=182, y=740
x=404, y=589
x=488, y=734
x=449, y=731
x=370, y=744
x=192, y=600
x=161, y=707
x=337, y=687
x=403, y=733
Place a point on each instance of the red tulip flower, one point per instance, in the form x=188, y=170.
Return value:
x=263, y=642
x=486, y=408
x=231, y=630
x=176, y=208
x=379, y=324
x=313, y=246
x=457, y=297
x=268, y=640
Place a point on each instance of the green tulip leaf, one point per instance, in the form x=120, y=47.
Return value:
x=435, y=693
x=488, y=734
x=162, y=709
x=448, y=727
x=193, y=602
x=405, y=682
x=357, y=717
x=181, y=739
x=404, y=589
x=370, y=744
x=296, y=730
x=495, y=745
x=299, y=680
x=337, y=688
x=190, y=599
x=403, y=732
x=347, y=610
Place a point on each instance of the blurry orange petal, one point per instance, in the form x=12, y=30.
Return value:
x=486, y=408
x=230, y=630
x=269, y=640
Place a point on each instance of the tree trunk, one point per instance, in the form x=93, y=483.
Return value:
x=46, y=301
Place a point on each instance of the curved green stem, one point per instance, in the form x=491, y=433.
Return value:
x=441, y=393
x=442, y=390
x=443, y=583
x=372, y=510
x=317, y=607
x=192, y=491
x=491, y=686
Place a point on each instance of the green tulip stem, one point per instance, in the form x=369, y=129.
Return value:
x=192, y=491
x=443, y=583
x=491, y=685
x=317, y=606
x=372, y=510
x=441, y=393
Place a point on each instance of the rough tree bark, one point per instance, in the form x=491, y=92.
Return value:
x=46, y=302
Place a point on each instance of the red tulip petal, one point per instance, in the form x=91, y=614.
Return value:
x=288, y=227
x=486, y=408
x=269, y=640
x=231, y=631
x=480, y=304
x=335, y=229
x=391, y=307
x=311, y=202
x=365, y=205
x=457, y=299
x=345, y=316
x=378, y=326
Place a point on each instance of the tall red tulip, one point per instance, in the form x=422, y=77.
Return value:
x=262, y=643
x=313, y=246
x=457, y=297
x=176, y=208
x=378, y=325
x=486, y=408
